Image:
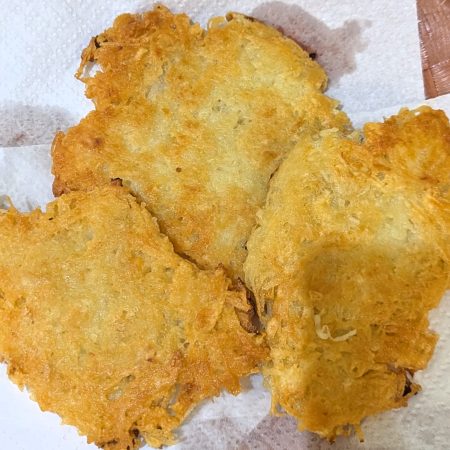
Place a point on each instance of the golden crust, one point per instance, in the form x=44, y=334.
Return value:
x=108, y=327
x=194, y=123
x=350, y=254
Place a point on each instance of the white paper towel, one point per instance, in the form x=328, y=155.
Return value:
x=371, y=51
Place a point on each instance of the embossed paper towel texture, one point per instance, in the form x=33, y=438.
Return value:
x=370, y=50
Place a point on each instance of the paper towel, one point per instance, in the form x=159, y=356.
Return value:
x=371, y=51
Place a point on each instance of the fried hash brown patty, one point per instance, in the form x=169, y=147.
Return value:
x=350, y=255
x=194, y=123
x=108, y=327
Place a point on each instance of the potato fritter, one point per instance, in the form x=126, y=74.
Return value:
x=350, y=255
x=194, y=123
x=108, y=327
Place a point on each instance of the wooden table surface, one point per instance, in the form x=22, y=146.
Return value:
x=434, y=29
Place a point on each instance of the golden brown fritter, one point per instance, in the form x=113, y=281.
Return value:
x=108, y=327
x=350, y=254
x=194, y=123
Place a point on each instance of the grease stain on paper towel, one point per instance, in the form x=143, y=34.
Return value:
x=335, y=49
x=22, y=125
